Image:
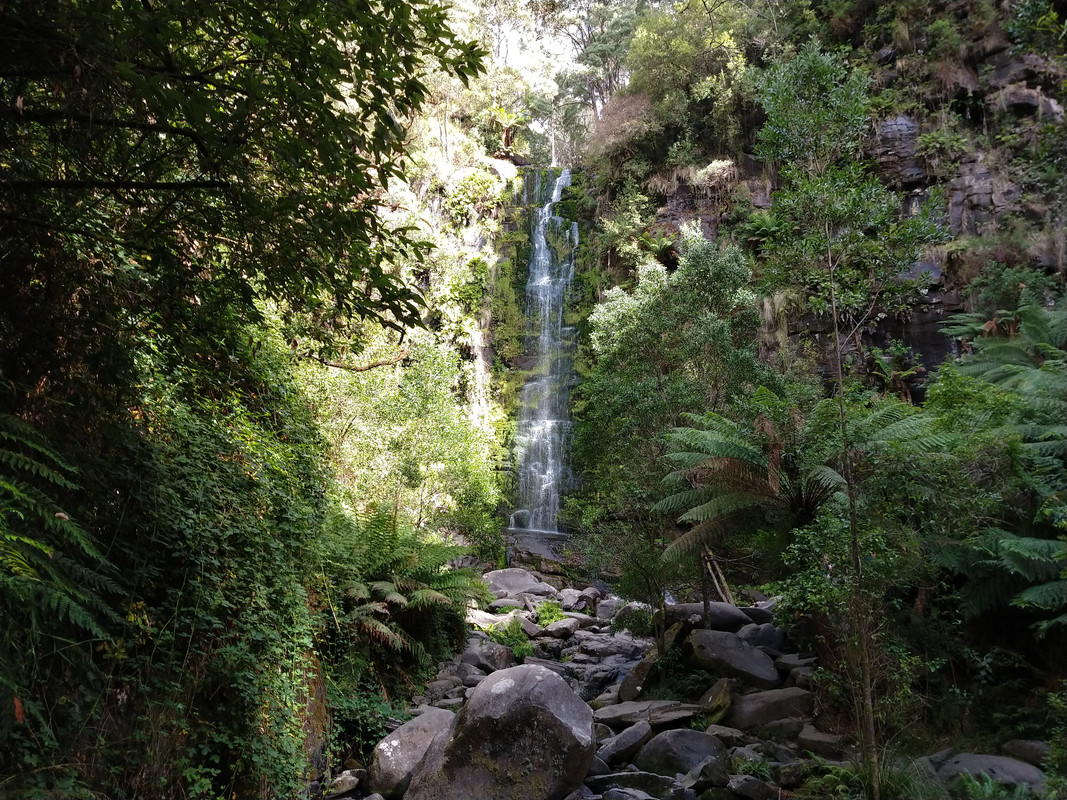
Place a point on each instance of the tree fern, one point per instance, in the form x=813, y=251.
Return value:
x=53, y=564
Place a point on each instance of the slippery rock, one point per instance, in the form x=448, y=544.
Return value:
x=724, y=653
x=755, y=710
x=678, y=751
x=523, y=735
x=400, y=752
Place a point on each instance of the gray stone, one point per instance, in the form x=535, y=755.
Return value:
x=505, y=602
x=1008, y=771
x=658, y=713
x=634, y=680
x=716, y=700
x=399, y=753
x=824, y=745
x=791, y=661
x=724, y=653
x=782, y=730
x=659, y=786
x=607, y=646
x=584, y=620
x=487, y=656
x=722, y=616
x=755, y=710
x=627, y=794
x=516, y=581
x=622, y=747
x=678, y=751
x=606, y=608
x=602, y=732
x=599, y=767
x=758, y=614
x=751, y=788
x=712, y=771
x=523, y=735
x=1031, y=751
x=569, y=598
x=343, y=784
x=763, y=635
x=562, y=629
x=731, y=737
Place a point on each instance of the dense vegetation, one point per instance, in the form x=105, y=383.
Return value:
x=261, y=335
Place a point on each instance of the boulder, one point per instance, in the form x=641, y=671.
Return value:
x=763, y=635
x=731, y=737
x=523, y=735
x=716, y=700
x=622, y=747
x=400, y=752
x=1008, y=771
x=515, y=581
x=1029, y=750
x=678, y=751
x=343, y=784
x=606, y=608
x=657, y=713
x=711, y=771
x=824, y=745
x=562, y=629
x=486, y=655
x=722, y=616
x=758, y=614
x=755, y=710
x=724, y=653
x=751, y=788
x=634, y=680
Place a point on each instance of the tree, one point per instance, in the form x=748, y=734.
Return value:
x=214, y=154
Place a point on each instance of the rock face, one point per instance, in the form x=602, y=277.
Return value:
x=725, y=653
x=400, y=752
x=523, y=735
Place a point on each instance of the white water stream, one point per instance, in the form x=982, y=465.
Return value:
x=544, y=420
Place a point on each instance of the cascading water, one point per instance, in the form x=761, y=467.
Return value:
x=544, y=419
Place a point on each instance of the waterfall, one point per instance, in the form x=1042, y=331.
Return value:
x=544, y=419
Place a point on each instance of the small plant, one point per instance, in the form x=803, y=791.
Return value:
x=983, y=787
x=513, y=636
x=637, y=621
x=548, y=612
x=756, y=767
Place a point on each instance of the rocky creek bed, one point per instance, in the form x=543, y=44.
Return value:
x=574, y=722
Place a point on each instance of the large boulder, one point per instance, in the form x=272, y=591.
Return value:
x=678, y=751
x=619, y=749
x=523, y=735
x=400, y=752
x=486, y=655
x=755, y=710
x=1008, y=771
x=722, y=616
x=514, y=581
x=723, y=653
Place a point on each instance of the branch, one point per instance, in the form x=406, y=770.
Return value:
x=385, y=362
x=23, y=187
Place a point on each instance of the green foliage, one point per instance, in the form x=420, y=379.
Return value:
x=1001, y=290
x=843, y=228
x=729, y=475
x=548, y=612
x=513, y=636
x=985, y=787
x=816, y=111
x=898, y=778
x=472, y=197
x=208, y=151
x=675, y=343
